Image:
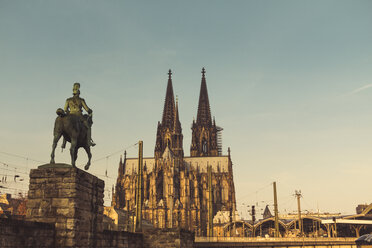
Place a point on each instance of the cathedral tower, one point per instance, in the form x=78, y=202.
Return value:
x=204, y=131
x=169, y=132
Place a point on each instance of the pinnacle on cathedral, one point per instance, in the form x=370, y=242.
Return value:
x=177, y=124
x=204, y=111
x=169, y=106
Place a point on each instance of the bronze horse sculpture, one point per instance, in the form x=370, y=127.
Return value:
x=74, y=131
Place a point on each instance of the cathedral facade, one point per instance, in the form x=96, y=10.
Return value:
x=175, y=188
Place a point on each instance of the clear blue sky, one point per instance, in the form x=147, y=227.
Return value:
x=289, y=81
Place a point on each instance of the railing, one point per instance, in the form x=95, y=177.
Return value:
x=262, y=239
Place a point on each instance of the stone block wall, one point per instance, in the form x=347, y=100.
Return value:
x=71, y=199
x=168, y=237
x=187, y=238
x=120, y=239
x=21, y=234
x=65, y=205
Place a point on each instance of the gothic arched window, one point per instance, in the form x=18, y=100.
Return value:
x=204, y=146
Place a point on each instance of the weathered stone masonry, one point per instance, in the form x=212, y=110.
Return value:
x=70, y=198
x=18, y=233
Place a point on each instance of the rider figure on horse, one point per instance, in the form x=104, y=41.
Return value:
x=74, y=106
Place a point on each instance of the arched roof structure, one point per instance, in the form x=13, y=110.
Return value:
x=270, y=219
x=238, y=221
x=289, y=224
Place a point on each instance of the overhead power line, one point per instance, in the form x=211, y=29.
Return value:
x=20, y=156
x=256, y=191
x=113, y=153
x=14, y=171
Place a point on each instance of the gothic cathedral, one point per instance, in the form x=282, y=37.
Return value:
x=175, y=187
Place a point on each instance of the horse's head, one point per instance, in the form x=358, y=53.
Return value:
x=89, y=119
x=60, y=112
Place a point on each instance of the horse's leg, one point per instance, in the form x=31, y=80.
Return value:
x=76, y=154
x=72, y=151
x=87, y=149
x=56, y=138
x=64, y=143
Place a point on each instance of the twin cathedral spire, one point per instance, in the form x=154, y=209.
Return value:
x=169, y=133
x=204, y=131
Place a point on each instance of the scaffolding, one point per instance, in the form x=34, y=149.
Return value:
x=219, y=140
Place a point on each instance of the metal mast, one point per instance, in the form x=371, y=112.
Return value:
x=299, y=195
x=210, y=202
x=276, y=212
x=138, y=222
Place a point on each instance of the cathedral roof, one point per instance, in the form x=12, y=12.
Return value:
x=193, y=164
x=169, y=106
x=204, y=113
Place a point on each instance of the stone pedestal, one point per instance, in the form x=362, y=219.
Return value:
x=70, y=198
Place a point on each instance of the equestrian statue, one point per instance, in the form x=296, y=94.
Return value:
x=74, y=127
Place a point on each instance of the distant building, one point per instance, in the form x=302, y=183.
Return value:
x=116, y=219
x=11, y=207
x=361, y=207
x=175, y=189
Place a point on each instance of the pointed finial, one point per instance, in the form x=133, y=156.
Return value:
x=228, y=151
x=125, y=154
x=170, y=74
x=121, y=159
x=176, y=99
x=203, y=72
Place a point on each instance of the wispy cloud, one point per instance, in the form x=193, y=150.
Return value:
x=357, y=90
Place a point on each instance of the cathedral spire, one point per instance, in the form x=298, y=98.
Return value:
x=121, y=170
x=169, y=106
x=204, y=130
x=204, y=113
x=169, y=132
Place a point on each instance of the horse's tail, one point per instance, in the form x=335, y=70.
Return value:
x=60, y=112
